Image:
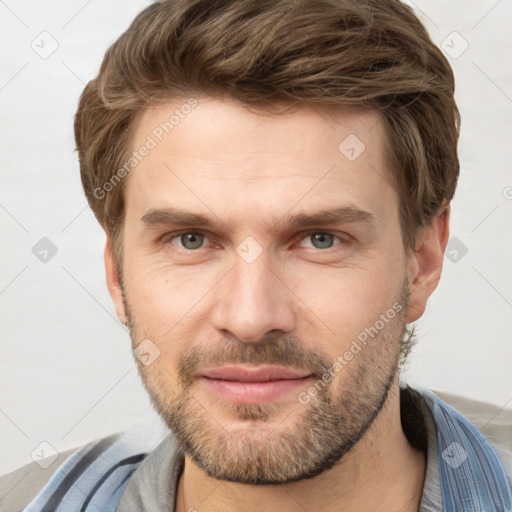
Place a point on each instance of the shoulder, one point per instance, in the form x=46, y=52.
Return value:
x=470, y=452
x=493, y=421
x=99, y=470
x=479, y=413
x=19, y=487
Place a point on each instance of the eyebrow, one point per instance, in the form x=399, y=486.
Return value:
x=178, y=217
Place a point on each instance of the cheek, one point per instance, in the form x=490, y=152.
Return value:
x=342, y=302
x=164, y=293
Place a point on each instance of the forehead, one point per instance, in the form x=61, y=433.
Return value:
x=214, y=125
x=217, y=152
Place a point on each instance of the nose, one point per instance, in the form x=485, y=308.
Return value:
x=253, y=300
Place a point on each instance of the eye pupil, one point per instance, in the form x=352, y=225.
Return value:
x=192, y=240
x=324, y=240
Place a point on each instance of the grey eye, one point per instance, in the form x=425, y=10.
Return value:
x=192, y=240
x=322, y=240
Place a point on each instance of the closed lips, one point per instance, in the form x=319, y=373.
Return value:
x=254, y=374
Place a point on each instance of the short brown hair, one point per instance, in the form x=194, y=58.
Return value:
x=373, y=53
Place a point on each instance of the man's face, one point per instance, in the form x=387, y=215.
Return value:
x=252, y=311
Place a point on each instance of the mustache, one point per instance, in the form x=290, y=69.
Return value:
x=274, y=349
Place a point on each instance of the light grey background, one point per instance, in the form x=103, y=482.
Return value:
x=66, y=370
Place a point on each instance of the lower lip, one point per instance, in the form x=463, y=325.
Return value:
x=253, y=392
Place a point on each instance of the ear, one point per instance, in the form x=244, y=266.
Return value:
x=426, y=262
x=114, y=282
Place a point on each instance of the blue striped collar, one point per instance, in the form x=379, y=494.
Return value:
x=471, y=477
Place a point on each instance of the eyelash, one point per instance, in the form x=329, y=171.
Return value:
x=166, y=239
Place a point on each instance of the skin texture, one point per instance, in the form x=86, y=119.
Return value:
x=300, y=304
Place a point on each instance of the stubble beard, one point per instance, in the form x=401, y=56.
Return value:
x=246, y=443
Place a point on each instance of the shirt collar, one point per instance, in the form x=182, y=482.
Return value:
x=463, y=465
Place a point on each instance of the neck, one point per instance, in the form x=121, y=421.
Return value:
x=381, y=472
